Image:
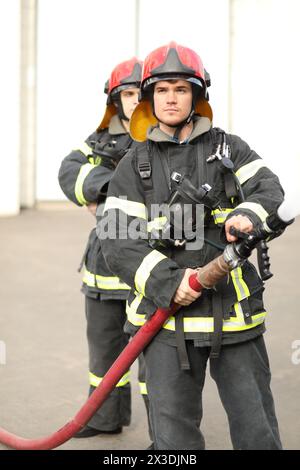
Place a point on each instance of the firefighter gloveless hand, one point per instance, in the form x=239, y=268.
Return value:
x=92, y=208
x=184, y=294
x=239, y=222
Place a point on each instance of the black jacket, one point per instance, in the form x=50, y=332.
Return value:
x=84, y=176
x=155, y=274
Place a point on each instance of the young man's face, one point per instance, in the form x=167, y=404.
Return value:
x=129, y=99
x=172, y=101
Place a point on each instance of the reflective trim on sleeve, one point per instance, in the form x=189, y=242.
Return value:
x=83, y=173
x=220, y=215
x=95, y=381
x=247, y=171
x=131, y=311
x=143, y=388
x=85, y=149
x=254, y=207
x=144, y=270
x=241, y=288
x=104, y=282
x=132, y=208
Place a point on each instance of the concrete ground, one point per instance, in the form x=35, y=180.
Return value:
x=42, y=331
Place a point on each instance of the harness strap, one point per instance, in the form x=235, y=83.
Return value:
x=246, y=311
x=230, y=185
x=180, y=342
x=144, y=168
x=218, y=325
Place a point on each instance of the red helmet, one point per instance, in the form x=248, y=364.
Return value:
x=125, y=75
x=170, y=62
x=174, y=61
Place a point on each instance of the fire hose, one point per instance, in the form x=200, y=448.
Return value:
x=206, y=277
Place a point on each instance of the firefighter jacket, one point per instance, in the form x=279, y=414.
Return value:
x=84, y=177
x=155, y=274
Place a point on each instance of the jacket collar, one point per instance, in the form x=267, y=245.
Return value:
x=201, y=125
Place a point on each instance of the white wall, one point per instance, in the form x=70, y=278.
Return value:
x=9, y=109
x=265, y=84
x=79, y=42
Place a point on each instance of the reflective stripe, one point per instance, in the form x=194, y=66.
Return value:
x=132, y=208
x=247, y=171
x=95, y=381
x=143, y=388
x=144, y=270
x=240, y=285
x=220, y=215
x=254, y=207
x=95, y=160
x=206, y=324
x=198, y=324
x=83, y=173
x=135, y=318
x=85, y=149
x=104, y=282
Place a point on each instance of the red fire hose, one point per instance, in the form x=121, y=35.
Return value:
x=210, y=275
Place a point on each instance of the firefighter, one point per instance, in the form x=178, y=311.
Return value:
x=182, y=158
x=84, y=176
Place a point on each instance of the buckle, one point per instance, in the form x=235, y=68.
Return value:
x=177, y=177
x=144, y=170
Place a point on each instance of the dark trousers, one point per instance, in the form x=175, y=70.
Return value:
x=106, y=340
x=242, y=375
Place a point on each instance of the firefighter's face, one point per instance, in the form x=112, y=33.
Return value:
x=172, y=101
x=129, y=99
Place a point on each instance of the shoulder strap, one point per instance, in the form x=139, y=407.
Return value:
x=144, y=168
x=222, y=153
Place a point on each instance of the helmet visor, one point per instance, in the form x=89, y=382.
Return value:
x=171, y=77
x=120, y=88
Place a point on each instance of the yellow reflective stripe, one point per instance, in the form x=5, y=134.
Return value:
x=220, y=215
x=206, y=324
x=254, y=207
x=143, y=388
x=157, y=223
x=135, y=318
x=144, y=270
x=104, y=282
x=95, y=160
x=197, y=324
x=240, y=285
x=83, y=173
x=238, y=323
x=247, y=171
x=132, y=208
x=85, y=149
x=95, y=381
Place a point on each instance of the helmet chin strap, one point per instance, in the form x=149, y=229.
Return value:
x=120, y=109
x=179, y=126
x=185, y=121
x=182, y=124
